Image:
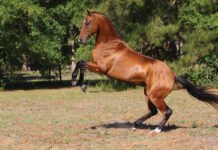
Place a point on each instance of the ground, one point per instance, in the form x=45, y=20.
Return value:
x=66, y=118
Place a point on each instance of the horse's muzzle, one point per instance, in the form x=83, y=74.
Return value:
x=82, y=40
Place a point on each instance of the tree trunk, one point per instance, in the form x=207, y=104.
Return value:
x=60, y=74
x=71, y=42
x=24, y=67
x=73, y=65
x=49, y=77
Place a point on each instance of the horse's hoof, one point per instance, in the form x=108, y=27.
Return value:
x=84, y=88
x=155, y=131
x=74, y=83
x=133, y=128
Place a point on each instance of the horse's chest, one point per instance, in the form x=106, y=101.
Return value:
x=101, y=58
x=96, y=56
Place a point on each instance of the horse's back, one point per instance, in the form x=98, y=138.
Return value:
x=129, y=65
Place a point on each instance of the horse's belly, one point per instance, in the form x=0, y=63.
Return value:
x=133, y=74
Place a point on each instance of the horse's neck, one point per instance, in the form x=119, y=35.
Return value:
x=106, y=32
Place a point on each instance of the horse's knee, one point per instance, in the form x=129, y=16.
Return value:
x=168, y=113
x=81, y=63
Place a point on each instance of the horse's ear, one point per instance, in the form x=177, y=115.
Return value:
x=89, y=13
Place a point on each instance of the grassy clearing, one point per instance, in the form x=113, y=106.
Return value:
x=69, y=119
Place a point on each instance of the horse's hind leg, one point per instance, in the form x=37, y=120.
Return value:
x=152, y=110
x=75, y=72
x=79, y=66
x=166, y=111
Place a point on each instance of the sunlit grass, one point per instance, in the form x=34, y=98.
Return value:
x=67, y=118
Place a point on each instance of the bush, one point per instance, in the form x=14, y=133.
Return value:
x=205, y=72
x=84, y=51
x=2, y=84
x=110, y=83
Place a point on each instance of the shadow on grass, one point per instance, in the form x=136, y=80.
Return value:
x=129, y=125
x=53, y=84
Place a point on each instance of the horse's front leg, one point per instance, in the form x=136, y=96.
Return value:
x=95, y=68
x=92, y=67
x=82, y=65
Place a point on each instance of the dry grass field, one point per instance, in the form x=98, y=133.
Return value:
x=66, y=118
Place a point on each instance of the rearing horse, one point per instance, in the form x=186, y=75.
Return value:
x=113, y=57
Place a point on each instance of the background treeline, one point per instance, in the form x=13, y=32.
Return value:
x=44, y=33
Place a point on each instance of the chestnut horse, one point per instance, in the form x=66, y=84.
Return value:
x=113, y=57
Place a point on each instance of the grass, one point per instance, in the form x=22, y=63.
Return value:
x=66, y=118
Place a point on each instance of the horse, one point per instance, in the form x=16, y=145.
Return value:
x=114, y=58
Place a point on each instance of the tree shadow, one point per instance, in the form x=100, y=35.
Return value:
x=35, y=82
x=129, y=125
x=24, y=81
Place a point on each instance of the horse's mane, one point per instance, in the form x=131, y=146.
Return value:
x=108, y=20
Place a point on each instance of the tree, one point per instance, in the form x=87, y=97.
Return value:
x=182, y=33
x=39, y=29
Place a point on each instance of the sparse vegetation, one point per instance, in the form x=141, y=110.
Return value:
x=66, y=118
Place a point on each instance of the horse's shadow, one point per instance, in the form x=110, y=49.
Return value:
x=129, y=125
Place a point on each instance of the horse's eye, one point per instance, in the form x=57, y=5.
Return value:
x=87, y=23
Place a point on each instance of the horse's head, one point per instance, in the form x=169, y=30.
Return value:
x=89, y=27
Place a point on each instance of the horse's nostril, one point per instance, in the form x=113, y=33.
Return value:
x=82, y=40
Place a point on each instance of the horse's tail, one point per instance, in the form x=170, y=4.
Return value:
x=201, y=94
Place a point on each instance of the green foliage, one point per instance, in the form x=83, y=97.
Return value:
x=84, y=51
x=200, y=49
x=113, y=84
x=199, y=14
x=38, y=29
x=158, y=33
x=198, y=44
x=205, y=72
x=183, y=33
x=117, y=85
